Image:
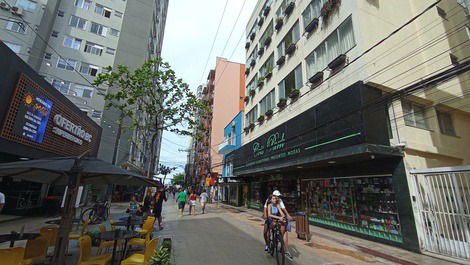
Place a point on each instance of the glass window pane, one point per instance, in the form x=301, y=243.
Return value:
x=282, y=90
x=346, y=34
x=332, y=47
x=298, y=77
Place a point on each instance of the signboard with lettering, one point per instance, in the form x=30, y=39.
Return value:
x=33, y=115
x=337, y=122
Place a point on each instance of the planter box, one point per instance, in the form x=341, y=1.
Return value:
x=337, y=62
x=260, y=84
x=252, y=36
x=261, y=21
x=252, y=63
x=267, y=41
x=294, y=94
x=247, y=71
x=261, y=119
x=316, y=77
x=291, y=49
x=247, y=45
x=279, y=24
x=312, y=25
x=246, y=130
x=268, y=75
x=260, y=51
x=252, y=92
x=289, y=8
x=167, y=244
x=282, y=103
x=251, y=126
x=247, y=98
x=266, y=11
x=281, y=60
x=269, y=113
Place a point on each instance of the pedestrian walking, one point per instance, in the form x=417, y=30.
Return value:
x=203, y=200
x=181, y=200
x=192, y=203
x=147, y=203
x=2, y=201
x=160, y=196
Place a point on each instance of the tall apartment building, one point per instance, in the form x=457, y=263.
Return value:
x=89, y=35
x=333, y=143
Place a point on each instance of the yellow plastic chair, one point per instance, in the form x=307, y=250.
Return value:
x=36, y=249
x=85, y=253
x=147, y=226
x=50, y=233
x=139, y=241
x=104, y=244
x=11, y=256
x=142, y=259
x=74, y=236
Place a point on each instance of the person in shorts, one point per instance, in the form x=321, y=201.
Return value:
x=192, y=203
x=203, y=199
x=181, y=200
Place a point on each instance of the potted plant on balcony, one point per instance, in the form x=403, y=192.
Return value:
x=252, y=92
x=269, y=72
x=266, y=11
x=294, y=93
x=269, y=113
x=312, y=25
x=290, y=48
x=267, y=41
x=260, y=82
x=247, y=45
x=281, y=60
x=261, y=118
x=246, y=99
x=279, y=22
x=282, y=103
x=260, y=21
x=252, y=125
x=260, y=51
x=325, y=10
x=289, y=8
x=252, y=36
x=247, y=71
x=316, y=78
x=253, y=62
x=337, y=62
x=246, y=129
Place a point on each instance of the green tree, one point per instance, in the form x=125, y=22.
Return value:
x=178, y=179
x=153, y=98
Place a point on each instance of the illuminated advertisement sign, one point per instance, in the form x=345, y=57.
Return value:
x=33, y=115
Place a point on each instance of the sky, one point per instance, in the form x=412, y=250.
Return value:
x=189, y=33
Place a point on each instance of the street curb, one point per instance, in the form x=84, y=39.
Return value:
x=12, y=219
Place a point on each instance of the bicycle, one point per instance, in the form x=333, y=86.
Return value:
x=276, y=242
x=97, y=213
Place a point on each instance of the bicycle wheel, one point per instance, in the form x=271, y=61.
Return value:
x=88, y=214
x=280, y=252
x=271, y=243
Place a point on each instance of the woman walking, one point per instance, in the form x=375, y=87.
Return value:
x=192, y=203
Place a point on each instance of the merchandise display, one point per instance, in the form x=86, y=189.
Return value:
x=288, y=190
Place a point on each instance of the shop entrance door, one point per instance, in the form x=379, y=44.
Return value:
x=443, y=197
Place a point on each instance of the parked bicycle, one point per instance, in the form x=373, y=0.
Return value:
x=276, y=242
x=99, y=212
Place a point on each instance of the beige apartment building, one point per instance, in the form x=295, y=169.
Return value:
x=323, y=115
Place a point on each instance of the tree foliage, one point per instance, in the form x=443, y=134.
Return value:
x=153, y=97
x=178, y=179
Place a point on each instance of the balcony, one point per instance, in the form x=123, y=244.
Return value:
x=227, y=146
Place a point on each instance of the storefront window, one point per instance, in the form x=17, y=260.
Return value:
x=288, y=190
x=255, y=195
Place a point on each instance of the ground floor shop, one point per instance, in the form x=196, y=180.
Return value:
x=235, y=193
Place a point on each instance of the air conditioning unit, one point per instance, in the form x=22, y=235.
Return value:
x=4, y=6
x=17, y=11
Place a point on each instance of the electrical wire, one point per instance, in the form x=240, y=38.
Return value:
x=233, y=28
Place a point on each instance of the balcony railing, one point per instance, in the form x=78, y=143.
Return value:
x=227, y=146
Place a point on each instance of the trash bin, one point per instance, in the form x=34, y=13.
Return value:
x=301, y=226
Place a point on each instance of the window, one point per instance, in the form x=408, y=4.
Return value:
x=16, y=27
x=268, y=102
x=67, y=64
x=72, y=42
x=267, y=66
x=89, y=69
x=110, y=51
x=339, y=42
x=47, y=56
x=312, y=11
x=85, y=4
x=60, y=13
x=251, y=85
x=114, y=32
x=26, y=5
x=267, y=33
x=282, y=8
x=61, y=85
x=252, y=115
x=77, y=22
x=252, y=31
x=445, y=122
x=93, y=48
x=98, y=29
x=292, y=81
x=55, y=34
x=82, y=91
x=414, y=115
x=252, y=56
x=291, y=37
x=14, y=47
x=104, y=11
x=118, y=14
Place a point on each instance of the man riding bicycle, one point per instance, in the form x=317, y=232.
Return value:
x=286, y=227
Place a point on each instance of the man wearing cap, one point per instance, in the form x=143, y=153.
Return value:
x=266, y=227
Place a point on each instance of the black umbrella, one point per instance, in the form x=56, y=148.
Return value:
x=71, y=171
